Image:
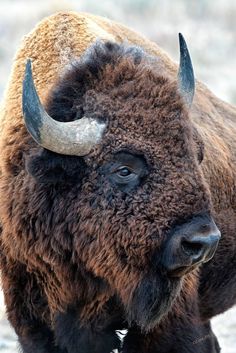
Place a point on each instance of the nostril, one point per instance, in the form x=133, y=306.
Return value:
x=191, y=248
x=189, y=245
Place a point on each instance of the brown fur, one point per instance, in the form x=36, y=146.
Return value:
x=62, y=243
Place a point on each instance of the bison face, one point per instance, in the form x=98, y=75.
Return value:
x=136, y=205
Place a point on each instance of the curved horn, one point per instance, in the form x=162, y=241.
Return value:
x=71, y=138
x=186, y=80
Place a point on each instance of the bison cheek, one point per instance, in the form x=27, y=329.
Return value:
x=151, y=300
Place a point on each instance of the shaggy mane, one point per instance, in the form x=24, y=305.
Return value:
x=65, y=102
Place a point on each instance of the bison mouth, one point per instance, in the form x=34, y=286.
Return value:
x=151, y=300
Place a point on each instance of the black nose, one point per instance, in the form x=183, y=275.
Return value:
x=190, y=244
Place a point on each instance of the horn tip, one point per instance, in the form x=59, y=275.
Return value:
x=31, y=104
x=28, y=67
x=182, y=42
x=186, y=72
x=29, y=62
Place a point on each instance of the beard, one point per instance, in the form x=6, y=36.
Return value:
x=152, y=300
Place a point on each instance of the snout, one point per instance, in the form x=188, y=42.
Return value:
x=190, y=244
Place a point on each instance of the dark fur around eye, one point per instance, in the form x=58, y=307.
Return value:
x=51, y=168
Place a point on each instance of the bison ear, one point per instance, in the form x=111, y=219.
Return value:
x=51, y=168
x=186, y=81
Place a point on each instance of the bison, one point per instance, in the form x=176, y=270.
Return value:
x=112, y=183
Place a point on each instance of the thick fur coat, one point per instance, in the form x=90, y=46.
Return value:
x=77, y=253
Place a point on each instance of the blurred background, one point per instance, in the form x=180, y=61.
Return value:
x=210, y=30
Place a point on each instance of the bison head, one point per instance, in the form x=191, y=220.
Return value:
x=118, y=138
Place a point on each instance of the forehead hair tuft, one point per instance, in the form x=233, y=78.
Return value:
x=81, y=74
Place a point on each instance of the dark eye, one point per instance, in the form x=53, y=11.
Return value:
x=124, y=175
x=123, y=172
